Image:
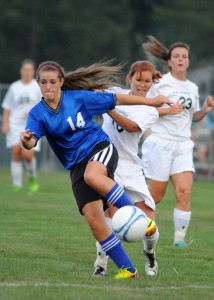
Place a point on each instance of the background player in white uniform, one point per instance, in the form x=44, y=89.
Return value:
x=20, y=98
x=129, y=172
x=168, y=150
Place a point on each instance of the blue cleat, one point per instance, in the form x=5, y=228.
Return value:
x=181, y=244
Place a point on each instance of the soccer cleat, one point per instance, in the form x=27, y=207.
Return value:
x=181, y=244
x=151, y=265
x=151, y=227
x=99, y=271
x=33, y=185
x=124, y=273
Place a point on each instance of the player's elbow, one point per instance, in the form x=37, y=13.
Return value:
x=132, y=128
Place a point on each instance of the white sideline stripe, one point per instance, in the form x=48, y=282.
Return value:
x=73, y=285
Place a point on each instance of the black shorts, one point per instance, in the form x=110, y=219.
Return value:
x=106, y=153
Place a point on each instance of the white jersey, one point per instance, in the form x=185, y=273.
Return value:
x=176, y=127
x=20, y=98
x=127, y=143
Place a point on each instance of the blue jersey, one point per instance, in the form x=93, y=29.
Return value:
x=69, y=129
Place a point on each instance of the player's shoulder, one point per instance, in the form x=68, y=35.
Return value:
x=74, y=93
x=166, y=77
x=15, y=84
x=36, y=109
x=192, y=86
x=34, y=83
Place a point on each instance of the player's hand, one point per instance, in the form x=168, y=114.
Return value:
x=26, y=136
x=176, y=108
x=208, y=104
x=5, y=128
x=160, y=100
x=25, y=115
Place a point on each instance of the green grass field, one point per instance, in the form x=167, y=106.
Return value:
x=47, y=250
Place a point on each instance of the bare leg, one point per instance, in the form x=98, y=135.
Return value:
x=96, y=176
x=157, y=189
x=16, y=166
x=182, y=184
x=95, y=218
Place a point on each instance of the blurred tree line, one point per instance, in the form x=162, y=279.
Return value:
x=80, y=32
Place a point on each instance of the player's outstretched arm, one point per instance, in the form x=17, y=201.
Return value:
x=127, y=124
x=27, y=140
x=136, y=100
x=5, y=122
x=207, y=107
x=175, y=109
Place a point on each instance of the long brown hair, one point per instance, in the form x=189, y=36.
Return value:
x=98, y=76
x=158, y=51
x=142, y=66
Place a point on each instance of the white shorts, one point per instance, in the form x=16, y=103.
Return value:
x=162, y=158
x=13, y=137
x=131, y=178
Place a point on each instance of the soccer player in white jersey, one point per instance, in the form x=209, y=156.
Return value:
x=167, y=152
x=20, y=98
x=125, y=125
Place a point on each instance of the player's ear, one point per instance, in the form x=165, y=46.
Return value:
x=129, y=78
x=62, y=82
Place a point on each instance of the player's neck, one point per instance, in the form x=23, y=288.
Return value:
x=179, y=75
x=53, y=103
x=26, y=81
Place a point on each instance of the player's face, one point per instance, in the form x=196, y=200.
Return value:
x=179, y=61
x=141, y=83
x=50, y=85
x=27, y=73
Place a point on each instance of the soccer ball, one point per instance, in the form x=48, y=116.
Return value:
x=130, y=224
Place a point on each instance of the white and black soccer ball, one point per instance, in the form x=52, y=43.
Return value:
x=130, y=224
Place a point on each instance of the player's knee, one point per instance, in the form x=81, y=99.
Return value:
x=16, y=154
x=157, y=197
x=183, y=193
x=93, y=222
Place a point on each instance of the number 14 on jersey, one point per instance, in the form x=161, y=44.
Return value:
x=80, y=121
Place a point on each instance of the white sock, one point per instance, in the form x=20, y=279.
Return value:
x=102, y=258
x=31, y=168
x=16, y=173
x=150, y=242
x=181, y=223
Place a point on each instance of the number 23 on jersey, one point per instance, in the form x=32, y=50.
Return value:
x=80, y=121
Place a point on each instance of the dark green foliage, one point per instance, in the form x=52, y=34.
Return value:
x=80, y=32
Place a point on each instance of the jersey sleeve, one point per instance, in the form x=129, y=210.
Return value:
x=98, y=103
x=8, y=99
x=145, y=117
x=34, y=123
x=153, y=92
x=197, y=102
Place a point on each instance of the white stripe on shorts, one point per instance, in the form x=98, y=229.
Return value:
x=104, y=155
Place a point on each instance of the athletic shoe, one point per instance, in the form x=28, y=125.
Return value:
x=181, y=244
x=99, y=271
x=151, y=265
x=124, y=273
x=151, y=227
x=33, y=185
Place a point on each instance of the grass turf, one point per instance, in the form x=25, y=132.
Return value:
x=47, y=250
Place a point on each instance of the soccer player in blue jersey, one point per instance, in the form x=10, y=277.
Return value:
x=64, y=116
